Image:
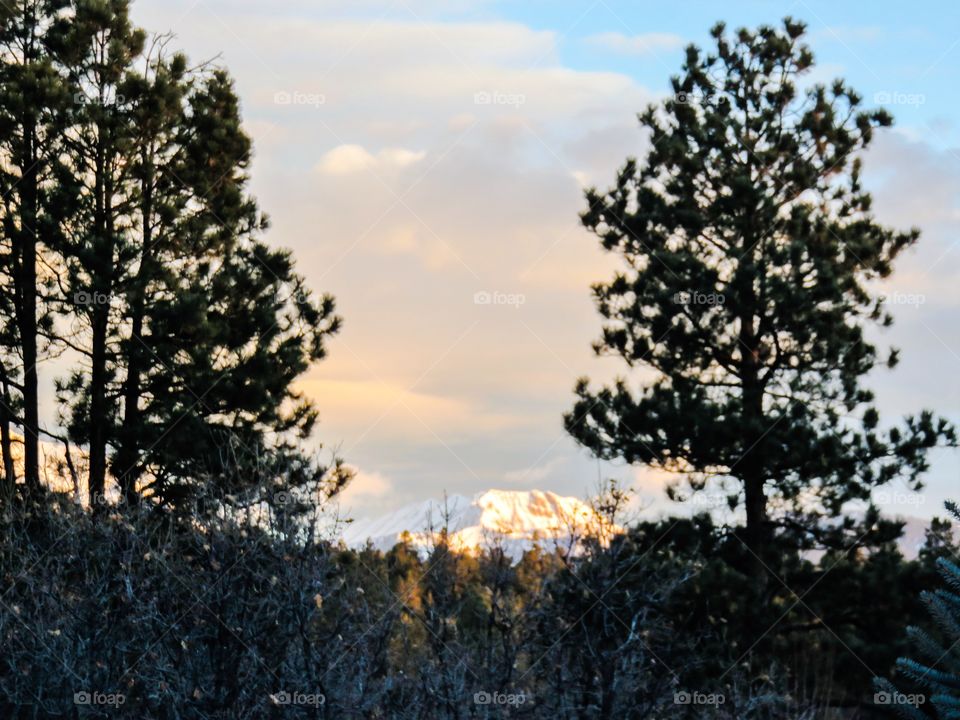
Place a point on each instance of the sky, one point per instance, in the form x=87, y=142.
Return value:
x=426, y=161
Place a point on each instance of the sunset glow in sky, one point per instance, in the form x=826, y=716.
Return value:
x=425, y=160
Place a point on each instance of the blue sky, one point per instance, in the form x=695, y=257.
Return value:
x=407, y=196
x=881, y=47
x=892, y=47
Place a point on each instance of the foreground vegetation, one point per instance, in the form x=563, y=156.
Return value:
x=138, y=614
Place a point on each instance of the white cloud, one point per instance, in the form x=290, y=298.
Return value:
x=366, y=485
x=362, y=408
x=400, y=157
x=646, y=44
x=348, y=159
x=368, y=489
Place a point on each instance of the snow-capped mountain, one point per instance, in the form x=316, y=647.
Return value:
x=514, y=519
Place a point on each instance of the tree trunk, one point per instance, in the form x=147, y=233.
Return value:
x=750, y=466
x=98, y=409
x=102, y=281
x=26, y=303
x=126, y=463
x=6, y=440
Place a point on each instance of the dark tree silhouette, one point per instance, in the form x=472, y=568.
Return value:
x=749, y=248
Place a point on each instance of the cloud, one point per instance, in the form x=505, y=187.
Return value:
x=369, y=492
x=363, y=409
x=646, y=44
x=348, y=159
x=366, y=485
x=534, y=476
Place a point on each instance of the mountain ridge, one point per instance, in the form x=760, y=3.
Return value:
x=513, y=519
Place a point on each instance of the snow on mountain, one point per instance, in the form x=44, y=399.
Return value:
x=514, y=519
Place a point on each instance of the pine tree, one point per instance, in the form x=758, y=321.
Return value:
x=219, y=317
x=184, y=329
x=206, y=327
x=750, y=254
x=33, y=100
x=97, y=247
x=161, y=202
x=938, y=673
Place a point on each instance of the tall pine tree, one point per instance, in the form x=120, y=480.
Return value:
x=99, y=232
x=127, y=174
x=750, y=253
x=215, y=315
x=34, y=98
